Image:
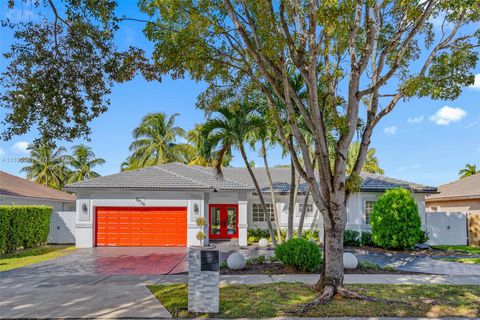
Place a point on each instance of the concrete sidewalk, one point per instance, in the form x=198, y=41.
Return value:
x=349, y=278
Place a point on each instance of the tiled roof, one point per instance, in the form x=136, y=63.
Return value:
x=11, y=185
x=465, y=188
x=177, y=176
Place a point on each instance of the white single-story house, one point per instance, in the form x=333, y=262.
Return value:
x=18, y=191
x=159, y=205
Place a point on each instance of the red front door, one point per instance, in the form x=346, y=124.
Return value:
x=223, y=221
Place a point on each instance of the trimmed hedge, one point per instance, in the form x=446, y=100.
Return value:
x=395, y=220
x=23, y=227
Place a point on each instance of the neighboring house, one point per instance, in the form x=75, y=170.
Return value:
x=158, y=206
x=18, y=191
x=462, y=195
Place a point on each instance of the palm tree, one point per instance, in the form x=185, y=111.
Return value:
x=231, y=129
x=371, y=161
x=156, y=142
x=47, y=165
x=194, y=156
x=469, y=170
x=83, y=161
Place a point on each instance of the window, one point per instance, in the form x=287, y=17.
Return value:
x=308, y=213
x=258, y=215
x=368, y=210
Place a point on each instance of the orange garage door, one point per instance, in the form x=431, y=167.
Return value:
x=141, y=227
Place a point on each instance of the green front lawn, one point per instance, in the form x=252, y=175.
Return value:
x=462, y=260
x=279, y=299
x=30, y=256
x=474, y=250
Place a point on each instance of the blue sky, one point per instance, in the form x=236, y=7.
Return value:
x=422, y=140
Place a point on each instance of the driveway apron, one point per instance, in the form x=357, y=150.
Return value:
x=91, y=283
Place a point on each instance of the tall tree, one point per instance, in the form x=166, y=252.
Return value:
x=346, y=52
x=47, y=165
x=265, y=135
x=62, y=67
x=156, y=142
x=469, y=170
x=82, y=161
x=231, y=129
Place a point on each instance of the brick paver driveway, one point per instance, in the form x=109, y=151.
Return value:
x=111, y=261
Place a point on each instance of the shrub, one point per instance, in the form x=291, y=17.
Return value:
x=424, y=237
x=395, y=220
x=310, y=234
x=256, y=260
x=273, y=259
x=351, y=238
x=23, y=227
x=366, y=238
x=253, y=235
x=369, y=265
x=256, y=234
x=300, y=254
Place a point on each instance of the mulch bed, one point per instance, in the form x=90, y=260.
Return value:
x=278, y=268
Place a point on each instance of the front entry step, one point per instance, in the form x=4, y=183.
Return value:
x=229, y=242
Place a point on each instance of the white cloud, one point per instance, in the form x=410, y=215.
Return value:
x=2, y=152
x=446, y=115
x=418, y=119
x=390, y=130
x=20, y=147
x=476, y=84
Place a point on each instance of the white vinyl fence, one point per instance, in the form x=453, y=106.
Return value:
x=447, y=228
x=62, y=227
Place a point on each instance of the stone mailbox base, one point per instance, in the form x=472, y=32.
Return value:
x=203, y=291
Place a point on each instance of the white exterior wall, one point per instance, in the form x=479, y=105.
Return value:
x=355, y=211
x=85, y=228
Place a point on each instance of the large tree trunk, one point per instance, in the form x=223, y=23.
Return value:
x=260, y=195
x=334, y=226
x=272, y=193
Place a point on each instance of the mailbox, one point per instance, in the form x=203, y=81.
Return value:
x=209, y=260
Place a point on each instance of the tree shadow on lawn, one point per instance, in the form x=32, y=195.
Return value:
x=285, y=299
